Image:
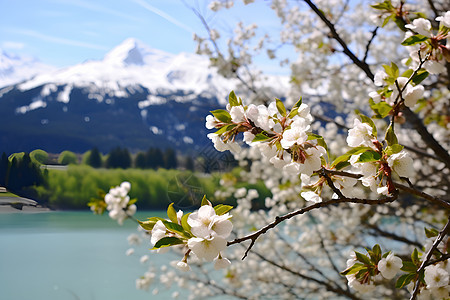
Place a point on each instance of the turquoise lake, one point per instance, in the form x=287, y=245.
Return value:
x=72, y=255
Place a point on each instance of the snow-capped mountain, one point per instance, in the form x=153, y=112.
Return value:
x=136, y=97
x=14, y=68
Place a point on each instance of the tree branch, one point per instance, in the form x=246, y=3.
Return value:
x=436, y=243
x=278, y=219
x=361, y=64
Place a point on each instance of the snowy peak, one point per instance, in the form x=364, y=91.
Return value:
x=15, y=68
x=134, y=52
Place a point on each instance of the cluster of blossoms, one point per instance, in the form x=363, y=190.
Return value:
x=364, y=271
x=116, y=202
x=285, y=139
x=202, y=233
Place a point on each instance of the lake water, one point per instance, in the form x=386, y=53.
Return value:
x=71, y=255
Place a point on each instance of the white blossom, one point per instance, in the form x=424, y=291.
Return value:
x=389, y=266
x=421, y=26
x=436, y=277
x=221, y=263
x=401, y=163
x=183, y=266
x=360, y=135
x=444, y=20
x=207, y=248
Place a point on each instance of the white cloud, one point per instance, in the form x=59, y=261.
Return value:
x=164, y=15
x=57, y=40
x=13, y=45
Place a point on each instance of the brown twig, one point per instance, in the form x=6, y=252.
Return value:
x=278, y=219
x=436, y=243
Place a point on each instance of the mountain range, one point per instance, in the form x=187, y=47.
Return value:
x=135, y=97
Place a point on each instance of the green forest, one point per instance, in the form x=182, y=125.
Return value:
x=76, y=182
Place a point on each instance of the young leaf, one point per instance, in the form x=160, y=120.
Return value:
x=409, y=267
x=298, y=103
x=369, y=156
x=377, y=252
x=382, y=109
x=222, y=209
x=415, y=257
x=415, y=39
x=222, y=115
x=355, y=268
x=225, y=128
x=232, y=99
x=176, y=228
x=205, y=201
x=184, y=223
x=404, y=280
x=396, y=148
x=172, y=214
x=167, y=242
x=281, y=108
x=420, y=76
x=431, y=232
x=390, y=137
x=150, y=223
x=362, y=258
x=260, y=137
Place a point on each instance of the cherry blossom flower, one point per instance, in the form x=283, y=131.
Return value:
x=421, y=26
x=360, y=135
x=401, y=163
x=221, y=263
x=296, y=134
x=444, y=20
x=436, y=277
x=207, y=248
x=205, y=223
x=389, y=266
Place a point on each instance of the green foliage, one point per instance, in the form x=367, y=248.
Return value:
x=119, y=158
x=39, y=156
x=67, y=158
x=93, y=158
x=74, y=188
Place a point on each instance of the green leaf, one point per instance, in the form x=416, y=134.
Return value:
x=345, y=157
x=386, y=5
x=355, y=268
x=225, y=128
x=280, y=107
x=431, y=232
x=407, y=73
x=167, y=242
x=222, y=209
x=176, y=228
x=184, y=223
x=362, y=258
x=232, y=99
x=298, y=103
x=293, y=112
x=396, y=148
x=369, y=156
x=172, y=214
x=390, y=137
x=415, y=39
x=415, y=257
x=420, y=76
x=222, y=115
x=404, y=280
x=260, y=137
x=205, y=201
x=377, y=252
x=150, y=223
x=382, y=109
x=409, y=267
x=313, y=136
x=392, y=70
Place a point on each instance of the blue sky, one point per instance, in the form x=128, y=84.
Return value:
x=66, y=32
